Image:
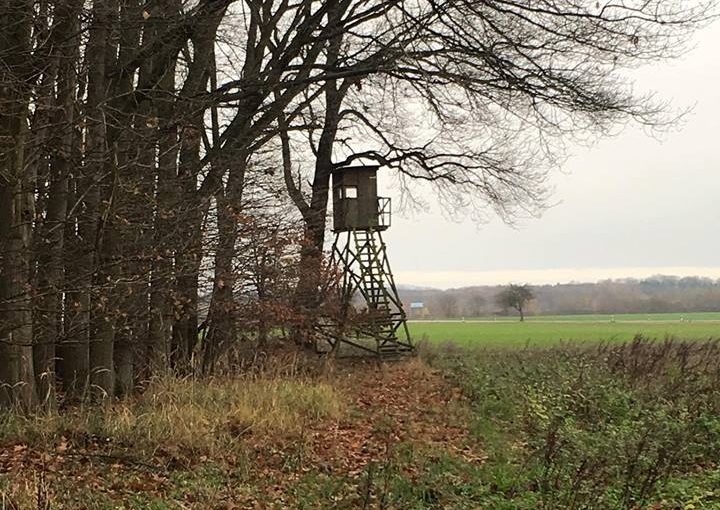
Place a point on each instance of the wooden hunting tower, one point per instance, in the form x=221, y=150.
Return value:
x=359, y=254
x=356, y=205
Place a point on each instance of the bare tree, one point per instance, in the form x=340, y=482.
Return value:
x=447, y=304
x=476, y=98
x=475, y=304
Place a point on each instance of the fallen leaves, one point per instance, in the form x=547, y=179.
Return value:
x=401, y=404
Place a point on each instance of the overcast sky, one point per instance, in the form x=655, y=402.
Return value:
x=629, y=206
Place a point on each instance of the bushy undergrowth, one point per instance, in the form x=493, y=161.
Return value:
x=610, y=426
x=618, y=426
x=206, y=416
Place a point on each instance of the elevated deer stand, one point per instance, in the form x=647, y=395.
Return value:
x=359, y=256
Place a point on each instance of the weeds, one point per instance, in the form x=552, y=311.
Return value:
x=617, y=426
x=594, y=427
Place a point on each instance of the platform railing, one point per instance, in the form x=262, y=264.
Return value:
x=384, y=212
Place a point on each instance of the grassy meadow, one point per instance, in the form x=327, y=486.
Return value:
x=550, y=330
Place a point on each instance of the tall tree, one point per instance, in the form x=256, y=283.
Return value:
x=51, y=339
x=96, y=301
x=476, y=98
x=17, y=375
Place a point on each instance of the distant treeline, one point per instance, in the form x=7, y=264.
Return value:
x=652, y=295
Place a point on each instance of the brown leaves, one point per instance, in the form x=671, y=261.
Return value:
x=402, y=403
x=12, y=456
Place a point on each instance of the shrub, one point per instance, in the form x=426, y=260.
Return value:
x=594, y=427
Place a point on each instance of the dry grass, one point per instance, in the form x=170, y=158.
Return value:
x=201, y=416
x=278, y=438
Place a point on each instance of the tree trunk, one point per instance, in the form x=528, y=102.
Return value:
x=221, y=328
x=72, y=356
x=45, y=294
x=160, y=326
x=129, y=211
x=187, y=259
x=189, y=218
x=191, y=208
x=17, y=377
x=97, y=310
x=307, y=297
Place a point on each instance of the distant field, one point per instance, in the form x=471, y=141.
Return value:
x=633, y=317
x=554, y=329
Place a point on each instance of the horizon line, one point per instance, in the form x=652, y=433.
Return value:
x=445, y=279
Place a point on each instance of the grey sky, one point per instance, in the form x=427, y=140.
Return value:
x=629, y=206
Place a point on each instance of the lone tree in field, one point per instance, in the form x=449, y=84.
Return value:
x=517, y=297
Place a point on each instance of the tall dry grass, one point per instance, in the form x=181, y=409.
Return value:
x=208, y=416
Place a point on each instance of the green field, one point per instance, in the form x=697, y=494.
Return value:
x=553, y=329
